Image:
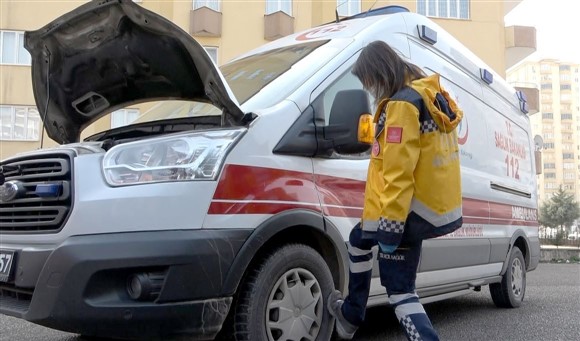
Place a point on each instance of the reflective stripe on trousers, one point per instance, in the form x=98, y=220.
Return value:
x=398, y=273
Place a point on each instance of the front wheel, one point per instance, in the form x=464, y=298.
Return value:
x=509, y=293
x=283, y=298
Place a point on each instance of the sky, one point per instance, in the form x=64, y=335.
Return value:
x=557, y=25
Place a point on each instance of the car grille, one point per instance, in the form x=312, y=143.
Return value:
x=29, y=212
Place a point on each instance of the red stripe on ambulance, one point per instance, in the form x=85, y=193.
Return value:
x=260, y=190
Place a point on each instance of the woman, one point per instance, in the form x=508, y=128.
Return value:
x=413, y=189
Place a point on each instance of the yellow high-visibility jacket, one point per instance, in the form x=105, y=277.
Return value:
x=414, y=167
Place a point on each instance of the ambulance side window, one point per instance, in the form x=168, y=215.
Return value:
x=323, y=104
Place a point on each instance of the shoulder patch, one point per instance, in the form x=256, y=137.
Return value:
x=394, y=134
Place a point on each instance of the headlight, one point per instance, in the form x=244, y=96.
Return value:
x=191, y=156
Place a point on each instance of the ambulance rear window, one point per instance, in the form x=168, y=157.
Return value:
x=249, y=75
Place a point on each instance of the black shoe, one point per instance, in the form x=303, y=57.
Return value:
x=344, y=329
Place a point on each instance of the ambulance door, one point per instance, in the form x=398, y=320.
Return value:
x=340, y=179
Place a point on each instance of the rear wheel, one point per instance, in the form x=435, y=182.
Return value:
x=509, y=293
x=283, y=298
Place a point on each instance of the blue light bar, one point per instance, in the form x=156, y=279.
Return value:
x=523, y=101
x=524, y=107
x=427, y=34
x=486, y=76
x=48, y=190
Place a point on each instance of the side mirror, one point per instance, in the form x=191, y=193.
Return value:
x=349, y=109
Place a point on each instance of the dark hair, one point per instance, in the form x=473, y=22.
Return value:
x=382, y=71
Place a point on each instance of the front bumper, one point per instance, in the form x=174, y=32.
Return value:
x=80, y=286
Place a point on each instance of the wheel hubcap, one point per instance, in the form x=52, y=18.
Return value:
x=295, y=307
x=517, y=277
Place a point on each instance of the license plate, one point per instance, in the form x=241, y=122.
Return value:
x=6, y=261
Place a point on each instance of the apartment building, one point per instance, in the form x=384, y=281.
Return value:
x=558, y=121
x=227, y=28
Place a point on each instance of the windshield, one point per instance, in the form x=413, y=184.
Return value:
x=163, y=110
x=249, y=75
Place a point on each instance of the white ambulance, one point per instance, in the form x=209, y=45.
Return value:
x=227, y=205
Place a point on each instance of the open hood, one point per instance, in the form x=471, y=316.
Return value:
x=108, y=54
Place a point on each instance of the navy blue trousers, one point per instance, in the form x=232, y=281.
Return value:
x=398, y=272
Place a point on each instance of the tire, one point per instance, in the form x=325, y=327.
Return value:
x=288, y=288
x=510, y=292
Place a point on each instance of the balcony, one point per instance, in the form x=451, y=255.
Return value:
x=205, y=22
x=278, y=25
x=520, y=42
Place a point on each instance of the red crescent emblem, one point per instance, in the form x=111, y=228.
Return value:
x=462, y=139
x=376, y=148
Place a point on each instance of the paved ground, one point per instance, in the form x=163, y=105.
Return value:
x=551, y=311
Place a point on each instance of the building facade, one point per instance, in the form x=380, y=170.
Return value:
x=557, y=122
x=227, y=28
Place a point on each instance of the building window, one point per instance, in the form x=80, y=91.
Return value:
x=566, y=127
x=347, y=7
x=212, y=4
x=456, y=9
x=12, y=47
x=548, y=116
x=549, y=136
x=212, y=51
x=550, y=175
x=566, y=116
x=567, y=146
x=568, y=165
x=569, y=186
x=546, y=97
x=551, y=185
x=123, y=117
x=273, y=6
x=549, y=166
x=19, y=123
x=547, y=86
x=564, y=67
x=565, y=77
x=567, y=156
x=565, y=87
x=546, y=107
x=549, y=145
